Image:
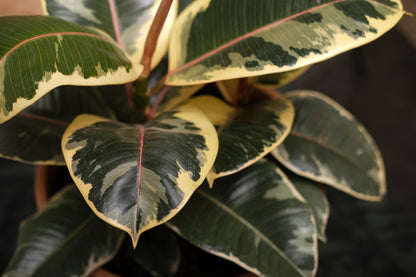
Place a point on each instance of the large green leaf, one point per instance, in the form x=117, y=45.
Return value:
x=225, y=39
x=35, y=134
x=138, y=176
x=327, y=144
x=64, y=239
x=246, y=134
x=127, y=21
x=255, y=218
x=39, y=53
x=316, y=198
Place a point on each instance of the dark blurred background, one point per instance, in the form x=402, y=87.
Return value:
x=376, y=83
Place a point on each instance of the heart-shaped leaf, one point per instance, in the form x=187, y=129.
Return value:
x=127, y=21
x=328, y=145
x=39, y=53
x=35, y=134
x=64, y=239
x=136, y=177
x=316, y=198
x=246, y=134
x=255, y=218
x=216, y=40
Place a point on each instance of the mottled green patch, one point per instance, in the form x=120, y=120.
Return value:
x=303, y=52
x=359, y=10
x=358, y=33
x=309, y=18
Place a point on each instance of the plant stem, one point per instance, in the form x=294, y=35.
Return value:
x=153, y=36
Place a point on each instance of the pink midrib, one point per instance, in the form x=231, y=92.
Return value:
x=116, y=24
x=250, y=34
x=139, y=177
x=51, y=35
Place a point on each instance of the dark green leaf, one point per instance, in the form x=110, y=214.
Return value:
x=64, y=239
x=255, y=218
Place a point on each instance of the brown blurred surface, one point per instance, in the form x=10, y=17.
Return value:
x=19, y=7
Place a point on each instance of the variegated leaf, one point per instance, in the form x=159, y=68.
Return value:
x=171, y=97
x=34, y=135
x=127, y=21
x=39, y=53
x=216, y=110
x=316, y=199
x=255, y=218
x=136, y=177
x=64, y=239
x=328, y=145
x=278, y=79
x=250, y=134
x=216, y=40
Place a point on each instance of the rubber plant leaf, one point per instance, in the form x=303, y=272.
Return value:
x=126, y=21
x=171, y=97
x=158, y=252
x=64, y=239
x=46, y=121
x=247, y=134
x=328, y=145
x=315, y=196
x=215, y=40
x=40, y=53
x=254, y=218
x=136, y=177
x=276, y=80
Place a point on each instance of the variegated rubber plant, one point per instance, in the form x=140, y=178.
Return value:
x=166, y=112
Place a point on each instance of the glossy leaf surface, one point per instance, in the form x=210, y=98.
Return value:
x=250, y=134
x=39, y=53
x=316, y=198
x=64, y=239
x=171, y=97
x=254, y=218
x=34, y=135
x=278, y=79
x=327, y=144
x=226, y=39
x=127, y=21
x=137, y=177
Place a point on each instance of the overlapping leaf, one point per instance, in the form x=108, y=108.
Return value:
x=127, y=21
x=316, y=199
x=278, y=79
x=137, y=177
x=35, y=134
x=327, y=144
x=64, y=239
x=226, y=39
x=171, y=97
x=254, y=218
x=246, y=134
x=39, y=53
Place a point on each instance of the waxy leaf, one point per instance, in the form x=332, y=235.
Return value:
x=328, y=145
x=217, y=111
x=127, y=21
x=136, y=177
x=229, y=89
x=64, y=239
x=316, y=198
x=250, y=134
x=171, y=97
x=278, y=79
x=35, y=135
x=39, y=53
x=254, y=218
x=216, y=40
